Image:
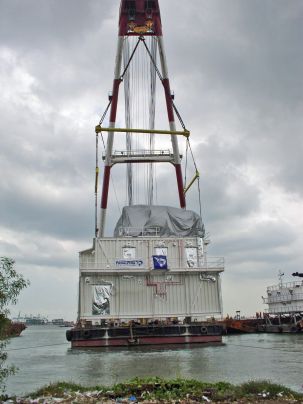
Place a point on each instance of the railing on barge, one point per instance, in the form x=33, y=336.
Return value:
x=212, y=263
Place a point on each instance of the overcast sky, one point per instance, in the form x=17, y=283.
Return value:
x=236, y=69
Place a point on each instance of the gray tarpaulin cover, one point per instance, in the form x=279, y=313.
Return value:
x=171, y=222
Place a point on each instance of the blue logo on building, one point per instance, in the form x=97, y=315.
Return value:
x=160, y=261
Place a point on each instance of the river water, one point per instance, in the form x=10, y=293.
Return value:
x=43, y=356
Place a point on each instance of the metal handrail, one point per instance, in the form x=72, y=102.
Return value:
x=283, y=298
x=210, y=263
x=294, y=284
x=143, y=152
x=291, y=309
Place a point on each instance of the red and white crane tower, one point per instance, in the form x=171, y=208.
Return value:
x=141, y=19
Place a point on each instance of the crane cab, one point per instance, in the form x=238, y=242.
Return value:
x=140, y=17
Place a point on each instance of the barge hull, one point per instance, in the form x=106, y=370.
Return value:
x=193, y=339
x=144, y=335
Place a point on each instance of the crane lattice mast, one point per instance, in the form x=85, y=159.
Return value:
x=141, y=19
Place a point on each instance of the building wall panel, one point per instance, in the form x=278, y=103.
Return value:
x=133, y=296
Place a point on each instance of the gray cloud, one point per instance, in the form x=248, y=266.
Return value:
x=236, y=71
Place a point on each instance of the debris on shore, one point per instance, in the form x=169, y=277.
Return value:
x=158, y=390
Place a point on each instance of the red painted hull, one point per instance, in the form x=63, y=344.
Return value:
x=107, y=342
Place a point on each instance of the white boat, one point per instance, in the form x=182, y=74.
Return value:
x=285, y=306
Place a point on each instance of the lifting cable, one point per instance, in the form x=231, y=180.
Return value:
x=152, y=59
x=179, y=116
x=161, y=78
x=102, y=119
x=100, y=123
x=152, y=54
x=128, y=122
x=130, y=59
x=186, y=160
x=96, y=186
x=197, y=176
x=151, y=124
x=135, y=107
x=130, y=104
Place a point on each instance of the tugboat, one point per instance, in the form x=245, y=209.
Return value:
x=152, y=282
x=285, y=307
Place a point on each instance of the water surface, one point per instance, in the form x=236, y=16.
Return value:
x=275, y=357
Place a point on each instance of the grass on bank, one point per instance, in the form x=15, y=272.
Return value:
x=156, y=388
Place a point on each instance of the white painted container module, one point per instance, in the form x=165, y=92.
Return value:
x=120, y=273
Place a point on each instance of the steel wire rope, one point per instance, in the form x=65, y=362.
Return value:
x=179, y=116
x=107, y=108
x=149, y=166
x=152, y=55
x=155, y=78
x=130, y=59
x=102, y=119
x=127, y=101
x=131, y=39
x=139, y=120
x=144, y=117
x=200, y=202
x=149, y=142
x=173, y=104
x=134, y=121
x=147, y=124
x=185, y=170
x=148, y=137
x=198, y=178
x=152, y=59
x=224, y=343
x=136, y=76
x=142, y=124
x=96, y=185
x=127, y=95
x=125, y=57
x=174, y=107
x=143, y=114
x=161, y=78
x=152, y=110
x=155, y=183
x=133, y=105
x=128, y=196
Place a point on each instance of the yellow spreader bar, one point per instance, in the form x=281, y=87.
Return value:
x=196, y=176
x=185, y=133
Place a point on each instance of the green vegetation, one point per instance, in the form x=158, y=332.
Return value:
x=11, y=284
x=161, y=390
